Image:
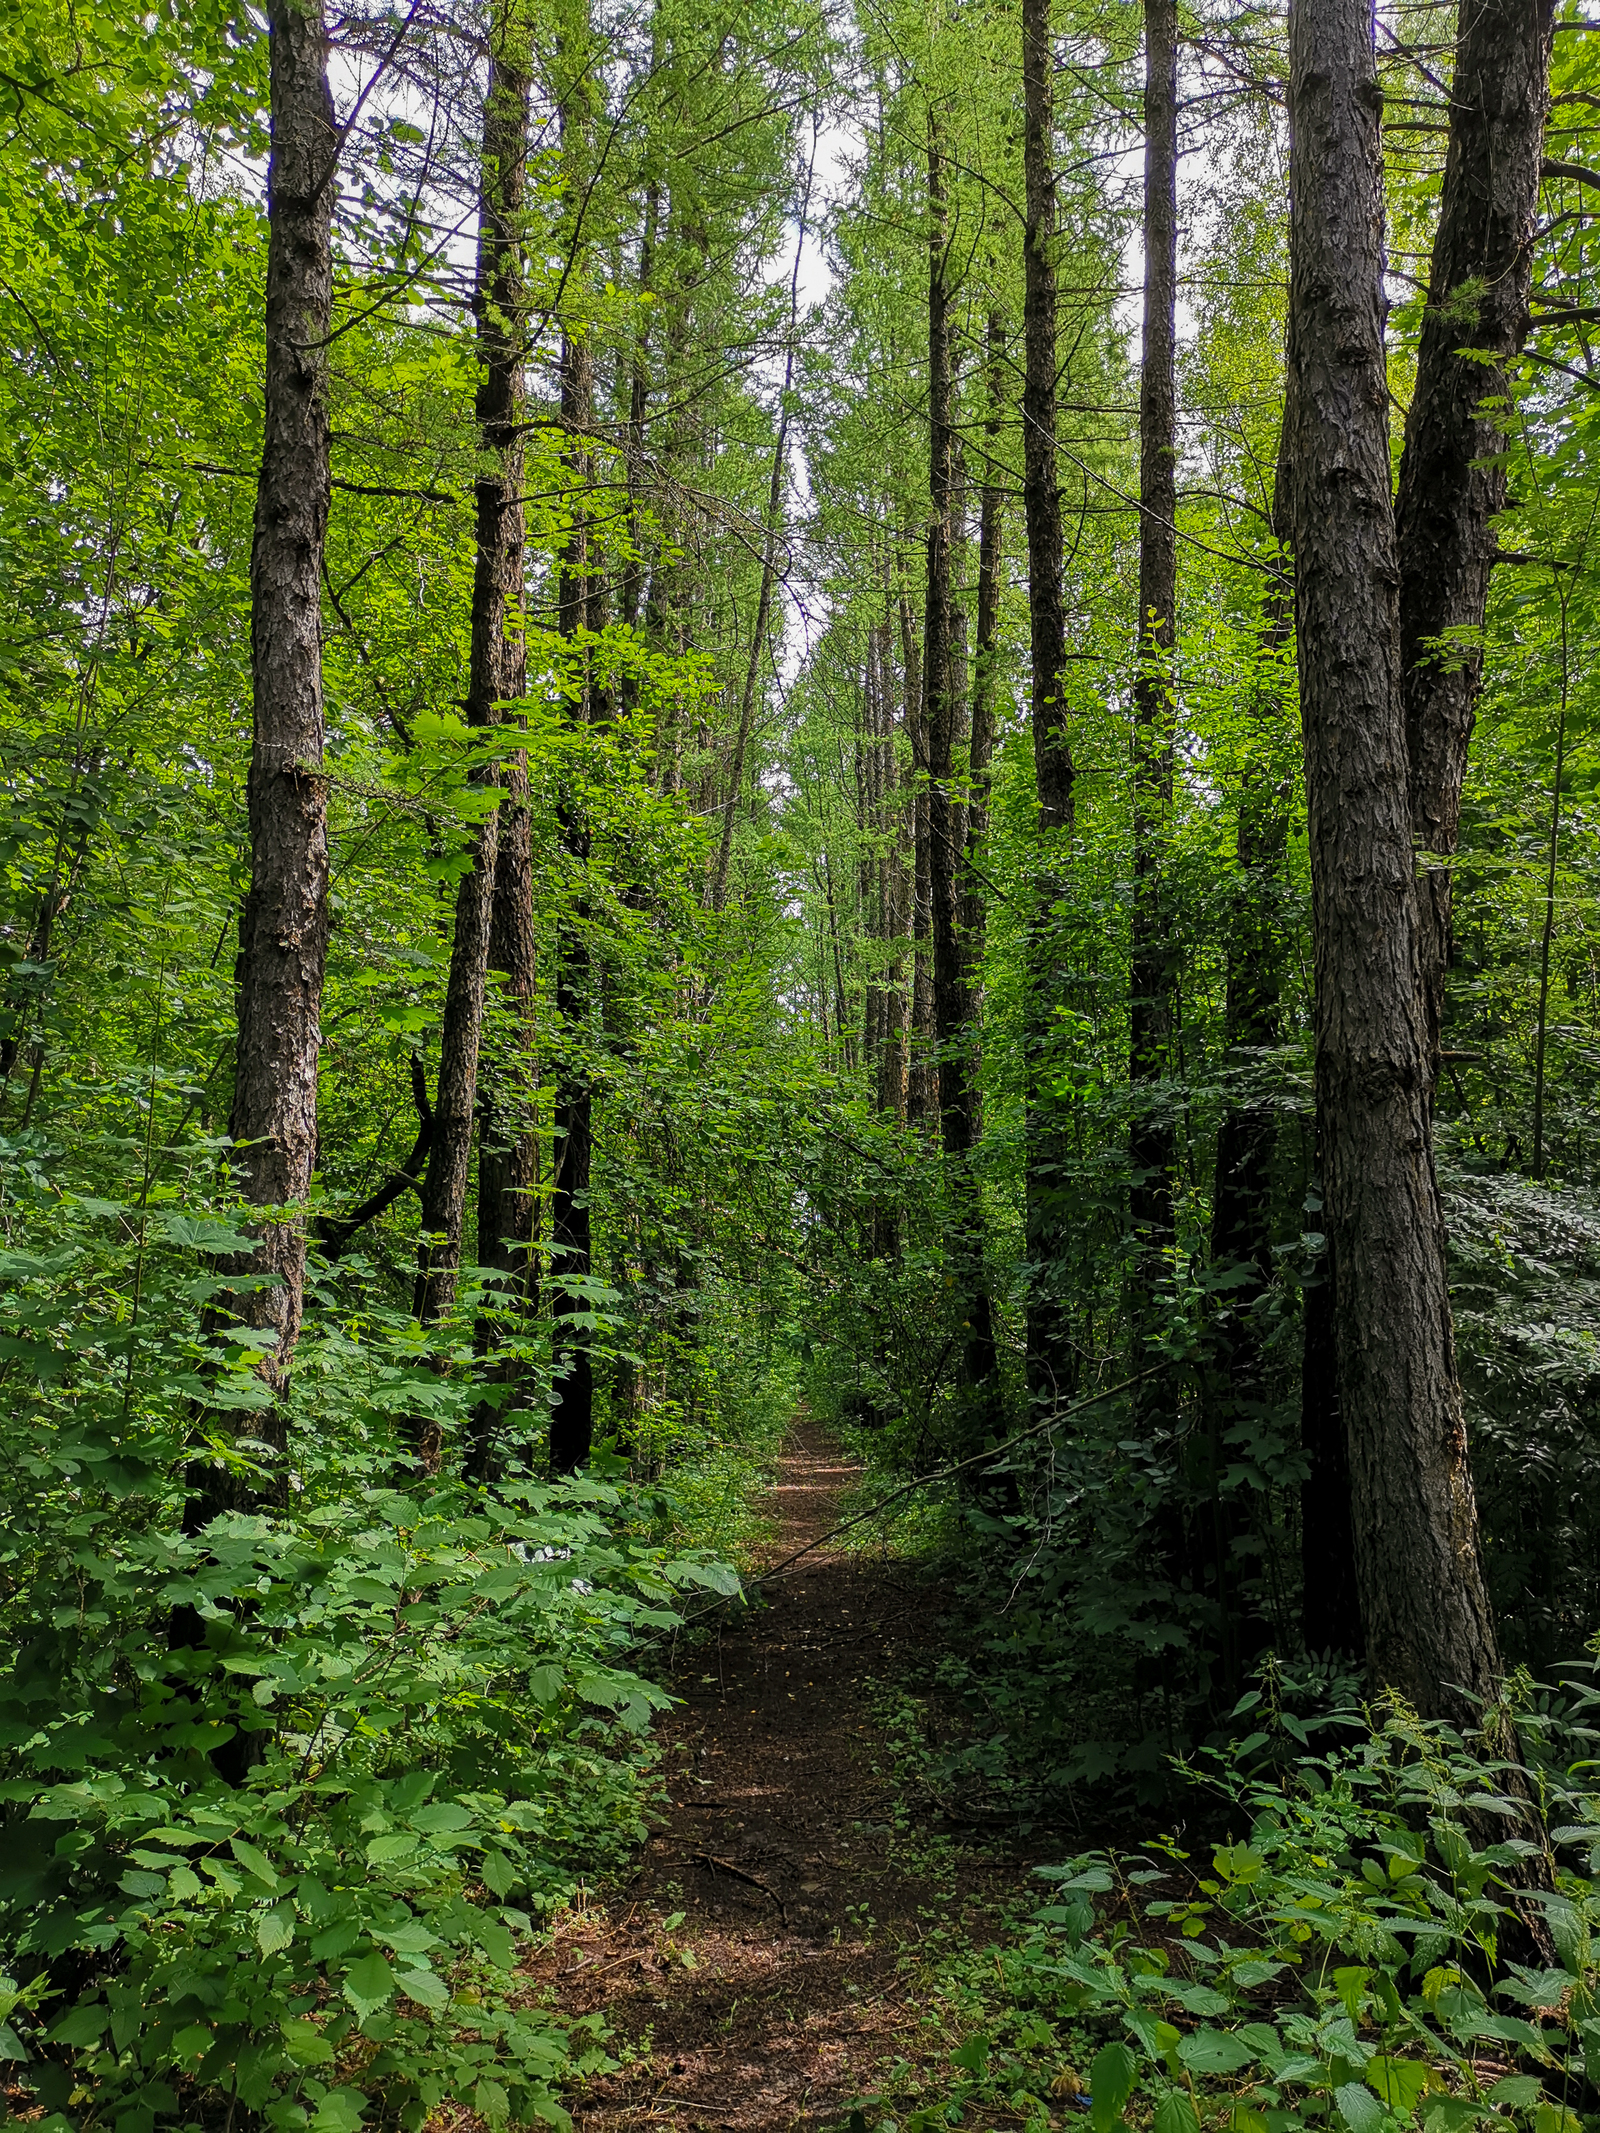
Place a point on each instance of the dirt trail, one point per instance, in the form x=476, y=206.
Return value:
x=776, y=1849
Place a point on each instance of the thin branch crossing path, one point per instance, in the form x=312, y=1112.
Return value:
x=765, y=1957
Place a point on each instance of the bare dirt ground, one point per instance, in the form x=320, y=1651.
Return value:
x=763, y=1961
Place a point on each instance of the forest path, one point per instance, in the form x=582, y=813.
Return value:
x=785, y=1986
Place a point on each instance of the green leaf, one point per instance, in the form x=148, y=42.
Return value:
x=1199, y=2000
x=1552, y=2118
x=1452, y=2114
x=396, y=1844
x=498, y=1873
x=1175, y=2114
x=274, y=1930
x=1358, y=2107
x=1111, y=2082
x=1214, y=2051
x=255, y=1862
x=84, y=2025
x=1521, y=2091
x=340, y=2111
x=305, y=2043
x=425, y=1988
x=1400, y=2082
x=368, y=1984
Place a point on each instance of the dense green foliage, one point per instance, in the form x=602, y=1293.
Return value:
x=282, y=1798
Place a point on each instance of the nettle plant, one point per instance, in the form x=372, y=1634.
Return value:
x=1350, y=1964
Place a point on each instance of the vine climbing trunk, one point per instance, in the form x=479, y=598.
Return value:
x=1453, y=470
x=1424, y=1605
x=283, y=925
x=1049, y=1353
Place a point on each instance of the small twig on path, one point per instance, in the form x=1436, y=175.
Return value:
x=727, y=1866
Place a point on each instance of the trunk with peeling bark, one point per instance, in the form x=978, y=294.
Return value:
x=1425, y=1609
x=1452, y=478
x=1050, y=1373
x=283, y=926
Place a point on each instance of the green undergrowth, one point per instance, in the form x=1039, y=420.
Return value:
x=1381, y=1939
x=284, y=1805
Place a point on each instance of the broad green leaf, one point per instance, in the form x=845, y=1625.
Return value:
x=368, y=1983
x=1174, y=2113
x=1112, y=2079
x=1358, y=2107
x=1400, y=2082
x=1215, y=2051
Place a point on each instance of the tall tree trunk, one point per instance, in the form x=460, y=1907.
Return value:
x=980, y=743
x=1424, y=1605
x=1049, y=1356
x=951, y=1004
x=572, y=1404
x=1452, y=470
x=283, y=926
x=1152, y=1143
x=508, y=1148
x=769, y=573
x=922, y=1075
x=892, y=878
x=1241, y=1205
x=496, y=587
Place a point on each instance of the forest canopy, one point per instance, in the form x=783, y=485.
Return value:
x=708, y=711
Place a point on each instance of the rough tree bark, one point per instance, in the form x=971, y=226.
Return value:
x=572, y=1404
x=922, y=1078
x=1424, y=1606
x=1152, y=1142
x=980, y=744
x=1452, y=478
x=1049, y=1359
x=496, y=590
x=952, y=1010
x=283, y=925
x=508, y=1148
x=1241, y=1204
x=718, y=893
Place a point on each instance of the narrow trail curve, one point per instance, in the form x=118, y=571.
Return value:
x=777, y=1850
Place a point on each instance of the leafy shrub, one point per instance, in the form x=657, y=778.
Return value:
x=1350, y=1963
x=420, y=1681
x=279, y=1802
